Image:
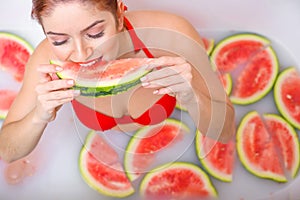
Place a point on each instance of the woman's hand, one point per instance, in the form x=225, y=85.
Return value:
x=52, y=93
x=173, y=76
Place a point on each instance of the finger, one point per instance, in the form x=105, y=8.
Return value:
x=49, y=68
x=167, y=71
x=54, y=85
x=46, y=71
x=165, y=61
x=58, y=95
x=51, y=105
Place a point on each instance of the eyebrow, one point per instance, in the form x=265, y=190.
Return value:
x=85, y=29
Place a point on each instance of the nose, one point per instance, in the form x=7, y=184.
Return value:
x=81, y=51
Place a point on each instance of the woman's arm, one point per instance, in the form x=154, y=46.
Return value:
x=188, y=74
x=35, y=106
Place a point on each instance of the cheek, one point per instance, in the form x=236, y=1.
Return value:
x=110, y=47
x=61, y=53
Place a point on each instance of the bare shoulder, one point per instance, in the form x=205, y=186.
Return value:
x=163, y=19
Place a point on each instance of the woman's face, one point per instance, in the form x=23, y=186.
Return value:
x=78, y=31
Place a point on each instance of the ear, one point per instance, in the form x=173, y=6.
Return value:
x=120, y=14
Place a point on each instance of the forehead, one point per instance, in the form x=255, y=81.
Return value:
x=74, y=16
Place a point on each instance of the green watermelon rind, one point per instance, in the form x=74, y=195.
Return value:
x=277, y=91
x=18, y=39
x=229, y=82
x=295, y=139
x=235, y=37
x=105, y=88
x=132, y=144
x=91, y=180
x=215, y=173
x=242, y=156
x=267, y=89
x=186, y=165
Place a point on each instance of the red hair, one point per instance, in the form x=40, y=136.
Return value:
x=44, y=7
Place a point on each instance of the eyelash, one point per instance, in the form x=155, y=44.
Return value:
x=55, y=43
x=98, y=35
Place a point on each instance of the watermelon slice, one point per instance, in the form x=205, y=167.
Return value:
x=6, y=98
x=177, y=180
x=100, y=168
x=251, y=61
x=287, y=95
x=148, y=142
x=217, y=158
x=14, y=54
x=104, y=78
x=268, y=146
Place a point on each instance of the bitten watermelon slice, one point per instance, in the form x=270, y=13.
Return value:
x=217, y=158
x=14, y=54
x=100, y=78
x=251, y=61
x=146, y=144
x=287, y=95
x=177, y=180
x=268, y=146
x=100, y=168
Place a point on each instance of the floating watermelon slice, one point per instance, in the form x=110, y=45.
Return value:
x=6, y=98
x=287, y=95
x=14, y=54
x=268, y=146
x=251, y=61
x=100, y=168
x=178, y=180
x=148, y=142
x=217, y=158
x=104, y=78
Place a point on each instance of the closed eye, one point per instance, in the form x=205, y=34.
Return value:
x=98, y=35
x=57, y=43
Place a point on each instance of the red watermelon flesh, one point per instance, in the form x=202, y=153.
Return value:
x=286, y=142
x=257, y=149
x=268, y=146
x=177, y=181
x=237, y=53
x=156, y=140
x=6, y=98
x=255, y=76
x=14, y=54
x=217, y=158
x=148, y=142
x=290, y=94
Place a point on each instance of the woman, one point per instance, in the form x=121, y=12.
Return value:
x=76, y=31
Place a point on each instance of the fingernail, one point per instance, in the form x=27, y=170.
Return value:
x=145, y=84
x=155, y=92
x=70, y=82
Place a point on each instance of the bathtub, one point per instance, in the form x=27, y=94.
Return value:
x=55, y=169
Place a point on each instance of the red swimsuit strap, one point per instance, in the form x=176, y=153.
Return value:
x=137, y=42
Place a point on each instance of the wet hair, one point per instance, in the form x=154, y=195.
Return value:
x=45, y=7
